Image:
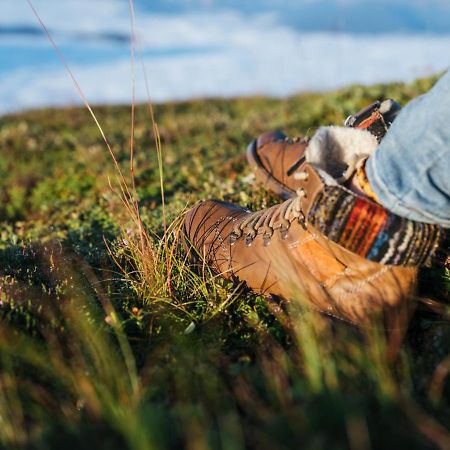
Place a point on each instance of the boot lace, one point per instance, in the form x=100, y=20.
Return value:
x=265, y=222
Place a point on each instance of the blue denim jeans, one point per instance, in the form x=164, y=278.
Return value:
x=410, y=170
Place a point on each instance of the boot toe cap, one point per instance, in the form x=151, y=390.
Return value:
x=201, y=220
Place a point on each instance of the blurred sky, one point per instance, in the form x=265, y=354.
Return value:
x=197, y=48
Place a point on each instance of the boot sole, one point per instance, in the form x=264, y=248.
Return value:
x=264, y=177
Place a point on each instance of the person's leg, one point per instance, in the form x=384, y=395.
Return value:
x=410, y=170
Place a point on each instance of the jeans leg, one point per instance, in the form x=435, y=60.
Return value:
x=410, y=170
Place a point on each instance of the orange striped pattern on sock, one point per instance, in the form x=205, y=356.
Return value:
x=365, y=222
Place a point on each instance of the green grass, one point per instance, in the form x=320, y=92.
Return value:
x=107, y=343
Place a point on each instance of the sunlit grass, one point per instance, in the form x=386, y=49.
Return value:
x=111, y=338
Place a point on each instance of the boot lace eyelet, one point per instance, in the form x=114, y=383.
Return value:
x=235, y=234
x=266, y=239
x=284, y=232
x=249, y=240
x=302, y=221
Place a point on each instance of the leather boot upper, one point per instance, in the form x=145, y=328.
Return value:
x=277, y=252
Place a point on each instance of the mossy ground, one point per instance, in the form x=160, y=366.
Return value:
x=186, y=360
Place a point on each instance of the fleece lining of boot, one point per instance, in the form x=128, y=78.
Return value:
x=337, y=151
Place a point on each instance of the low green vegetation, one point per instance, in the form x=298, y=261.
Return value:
x=111, y=340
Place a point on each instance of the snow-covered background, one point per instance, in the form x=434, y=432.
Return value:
x=198, y=48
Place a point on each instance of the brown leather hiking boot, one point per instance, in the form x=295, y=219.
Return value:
x=275, y=166
x=274, y=159
x=317, y=169
x=275, y=251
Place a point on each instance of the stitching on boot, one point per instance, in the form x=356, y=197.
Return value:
x=295, y=244
x=220, y=238
x=358, y=287
x=331, y=280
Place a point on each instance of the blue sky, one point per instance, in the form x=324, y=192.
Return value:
x=197, y=48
